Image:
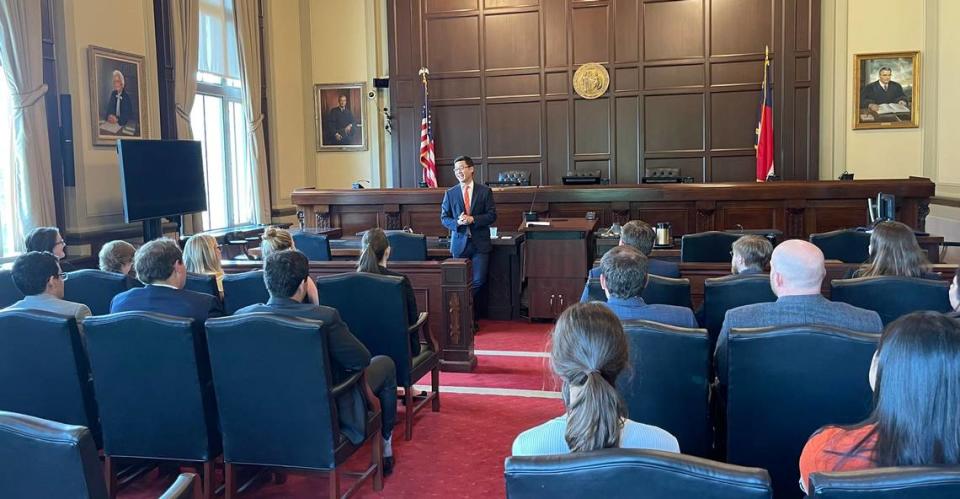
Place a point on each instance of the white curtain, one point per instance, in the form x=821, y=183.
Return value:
x=185, y=20
x=21, y=55
x=251, y=62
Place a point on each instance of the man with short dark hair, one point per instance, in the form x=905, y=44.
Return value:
x=285, y=274
x=637, y=234
x=159, y=265
x=37, y=275
x=750, y=255
x=623, y=276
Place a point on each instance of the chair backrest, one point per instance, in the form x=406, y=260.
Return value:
x=152, y=380
x=660, y=290
x=631, y=473
x=846, y=245
x=888, y=483
x=271, y=375
x=713, y=246
x=315, y=246
x=45, y=370
x=9, y=294
x=94, y=288
x=521, y=177
x=245, y=288
x=43, y=458
x=669, y=382
x=407, y=247
x=785, y=383
x=723, y=293
x=202, y=283
x=383, y=332
x=892, y=296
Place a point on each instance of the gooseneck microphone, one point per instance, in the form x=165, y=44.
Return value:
x=530, y=215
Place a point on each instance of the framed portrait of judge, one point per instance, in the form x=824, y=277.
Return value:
x=340, y=117
x=886, y=90
x=117, y=108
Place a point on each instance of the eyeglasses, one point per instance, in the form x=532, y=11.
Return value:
x=62, y=276
x=458, y=169
x=60, y=242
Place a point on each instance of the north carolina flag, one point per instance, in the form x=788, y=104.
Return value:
x=764, y=143
x=427, y=158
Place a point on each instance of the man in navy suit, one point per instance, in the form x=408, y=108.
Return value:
x=159, y=265
x=640, y=235
x=623, y=275
x=468, y=212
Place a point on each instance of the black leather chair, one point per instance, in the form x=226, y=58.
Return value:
x=315, y=246
x=386, y=332
x=887, y=483
x=245, y=288
x=517, y=177
x=43, y=458
x=94, y=288
x=892, y=296
x=668, y=384
x=713, y=246
x=9, y=294
x=203, y=283
x=785, y=383
x=407, y=247
x=45, y=370
x=723, y=293
x=631, y=474
x=152, y=380
x=659, y=290
x=277, y=401
x=846, y=245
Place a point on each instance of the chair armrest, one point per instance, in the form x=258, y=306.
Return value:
x=421, y=320
x=361, y=378
x=346, y=384
x=423, y=323
x=186, y=486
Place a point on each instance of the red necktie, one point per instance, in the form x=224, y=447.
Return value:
x=466, y=199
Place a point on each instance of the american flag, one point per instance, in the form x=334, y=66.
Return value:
x=427, y=159
x=764, y=144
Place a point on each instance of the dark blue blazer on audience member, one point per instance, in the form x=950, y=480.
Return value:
x=483, y=211
x=637, y=309
x=165, y=300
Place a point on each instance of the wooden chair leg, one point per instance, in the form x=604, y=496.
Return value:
x=334, y=484
x=110, y=476
x=230, y=481
x=376, y=459
x=408, y=412
x=209, y=479
x=435, y=386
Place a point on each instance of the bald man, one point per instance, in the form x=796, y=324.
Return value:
x=796, y=274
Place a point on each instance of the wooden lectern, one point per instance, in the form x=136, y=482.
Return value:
x=557, y=258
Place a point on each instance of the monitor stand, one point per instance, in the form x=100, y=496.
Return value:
x=152, y=229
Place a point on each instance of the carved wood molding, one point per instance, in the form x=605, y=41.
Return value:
x=453, y=309
x=795, y=222
x=923, y=209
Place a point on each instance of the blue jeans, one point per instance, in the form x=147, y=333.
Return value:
x=480, y=263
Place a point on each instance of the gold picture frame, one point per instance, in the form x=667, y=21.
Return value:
x=112, y=118
x=886, y=90
x=340, y=129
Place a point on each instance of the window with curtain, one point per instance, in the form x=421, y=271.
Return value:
x=8, y=184
x=217, y=120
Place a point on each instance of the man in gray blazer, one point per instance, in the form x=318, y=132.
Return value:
x=623, y=275
x=796, y=275
x=37, y=275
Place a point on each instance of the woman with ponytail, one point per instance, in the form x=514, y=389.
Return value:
x=275, y=239
x=373, y=259
x=589, y=351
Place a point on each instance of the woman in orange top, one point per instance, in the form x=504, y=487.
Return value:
x=916, y=402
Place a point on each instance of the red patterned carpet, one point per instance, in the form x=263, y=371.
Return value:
x=457, y=452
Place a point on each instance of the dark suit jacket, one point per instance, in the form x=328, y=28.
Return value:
x=656, y=267
x=346, y=352
x=337, y=122
x=126, y=107
x=793, y=310
x=637, y=309
x=412, y=313
x=484, y=213
x=164, y=300
x=873, y=93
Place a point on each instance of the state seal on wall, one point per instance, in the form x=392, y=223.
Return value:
x=591, y=80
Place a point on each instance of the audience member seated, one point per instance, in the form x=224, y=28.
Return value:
x=159, y=265
x=917, y=398
x=201, y=255
x=48, y=239
x=641, y=236
x=750, y=255
x=796, y=276
x=955, y=296
x=276, y=239
x=589, y=352
x=623, y=276
x=373, y=259
x=37, y=275
x=286, y=274
x=117, y=256
x=894, y=251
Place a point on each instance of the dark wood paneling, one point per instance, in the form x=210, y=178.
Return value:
x=627, y=79
x=453, y=131
x=673, y=122
x=627, y=129
x=733, y=119
x=590, y=34
x=453, y=44
x=740, y=26
x=513, y=129
x=512, y=40
x=514, y=86
x=435, y=6
x=736, y=73
x=689, y=167
x=453, y=89
x=673, y=30
x=492, y=4
x=626, y=42
x=558, y=140
x=732, y=168
x=664, y=77
x=591, y=132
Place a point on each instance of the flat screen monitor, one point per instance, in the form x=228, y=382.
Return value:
x=161, y=178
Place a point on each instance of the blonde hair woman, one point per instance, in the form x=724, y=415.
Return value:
x=276, y=239
x=201, y=255
x=117, y=256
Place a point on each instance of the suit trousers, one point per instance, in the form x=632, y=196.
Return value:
x=382, y=378
x=480, y=262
